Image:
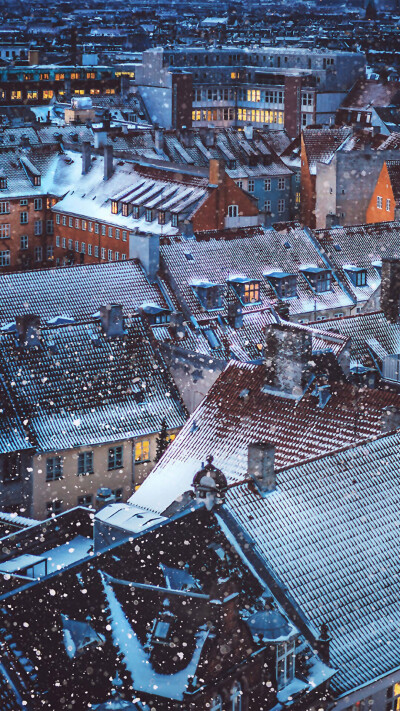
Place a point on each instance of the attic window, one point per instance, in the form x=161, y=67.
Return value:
x=319, y=279
x=358, y=277
x=247, y=290
x=3, y=183
x=284, y=284
x=125, y=209
x=114, y=207
x=135, y=212
x=149, y=215
x=209, y=295
x=37, y=180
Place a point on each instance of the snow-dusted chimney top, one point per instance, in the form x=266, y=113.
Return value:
x=28, y=330
x=261, y=466
x=112, y=320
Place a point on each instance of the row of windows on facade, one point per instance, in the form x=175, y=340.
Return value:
x=136, y=211
x=5, y=254
x=5, y=205
x=254, y=59
x=5, y=228
x=87, y=225
x=54, y=464
x=268, y=182
x=95, y=250
x=55, y=506
x=262, y=116
x=268, y=96
x=34, y=94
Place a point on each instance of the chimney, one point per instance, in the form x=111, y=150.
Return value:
x=207, y=135
x=86, y=157
x=248, y=131
x=324, y=395
x=108, y=161
x=187, y=137
x=322, y=643
x=235, y=314
x=146, y=248
x=331, y=221
x=112, y=320
x=100, y=137
x=176, y=325
x=390, y=418
x=216, y=173
x=159, y=140
x=288, y=352
x=104, y=497
x=261, y=466
x=28, y=330
x=390, y=289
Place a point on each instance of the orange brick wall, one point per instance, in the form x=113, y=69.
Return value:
x=211, y=214
x=384, y=190
x=87, y=237
x=24, y=258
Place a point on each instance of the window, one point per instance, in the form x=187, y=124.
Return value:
x=4, y=208
x=114, y=207
x=393, y=698
x=161, y=217
x=96, y=228
x=142, y=451
x=12, y=467
x=49, y=227
x=209, y=295
x=53, y=468
x=63, y=242
x=70, y=245
x=110, y=255
x=135, y=212
x=281, y=183
x=76, y=245
x=267, y=184
x=251, y=292
x=379, y=202
x=85, y=463
x=38, y=254
x=50, y=251
x=319, y=279
x=38, y=227
x=23, y=202
x=83, y=247
x=233, y=210
x=59, y=77
x=48, y=93
x=96, y=251
x=110, y=231
x=89, y=250
x=3, y=183
x=361, y=278
x=23, y=242
x=58, y=219
x=103, y=252
x=90, y=226
x=267, y=206
x=281, y=206
x=16, y=95
x=103, y=230
x=117, y=256
x=54, y=507
x=23, y=218
x=284, y=285
x=70, y=222
x=115, y=457
x=84, y=224
x=118, y=493
x=124, y=235
x=251, y=186
x=174, y=220
x=387, y=205
x=76, y=223
x=285, y=657
x=5, y=231
x=38, y=204
x=117, y=233
x=44, y=76
x=149, y=215
x=85, y=500
x=236, y=697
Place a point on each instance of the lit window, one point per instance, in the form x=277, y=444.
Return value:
x=251, y=292
x=59, y=77
x=115, y=457
x=142, y=451
x=85, y=463
x=44, y=76
x=16, y=95
x=393, y=698
x=48, y=93
x=114, y=207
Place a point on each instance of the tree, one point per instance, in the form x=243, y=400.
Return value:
x=162, y=441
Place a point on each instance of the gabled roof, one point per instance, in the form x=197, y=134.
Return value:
x=77, y=292
x=80, y=388
x=238, y=410
x=369, y=93
x=287, y=248
x=393, y=167
x=321, y=144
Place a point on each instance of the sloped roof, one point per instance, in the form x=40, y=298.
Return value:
x=238, y=411
x=263, y=251
x=77, y=292
x=78, y=387
x=393, y=167
x=330, y=532
x=369, y=93
x=321, y=144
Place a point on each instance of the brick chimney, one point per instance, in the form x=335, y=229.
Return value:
x=288, y=352
x=28, y=330
x=216, y=173
x=390, y=289
x=390, y=418
x=108, y=162
x=261, y=466
x=112, y=320
x=86, y=157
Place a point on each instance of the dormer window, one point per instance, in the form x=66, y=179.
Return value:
x=149, y=215
x=161, y=217
x=233, y=210
x=285, y=663
x=209, y=294
x=283, y=284
x=357, y=276
x=156, y=315
x=135, y=212
x=114, y=207
x=248, y=290
x=319, y=279
x=3, y=183
x=37, y=180
x=125, y=209
x=174, y=220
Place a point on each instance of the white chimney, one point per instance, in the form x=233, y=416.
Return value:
x=261, y=466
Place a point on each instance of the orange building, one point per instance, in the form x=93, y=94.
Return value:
x=385, y=198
